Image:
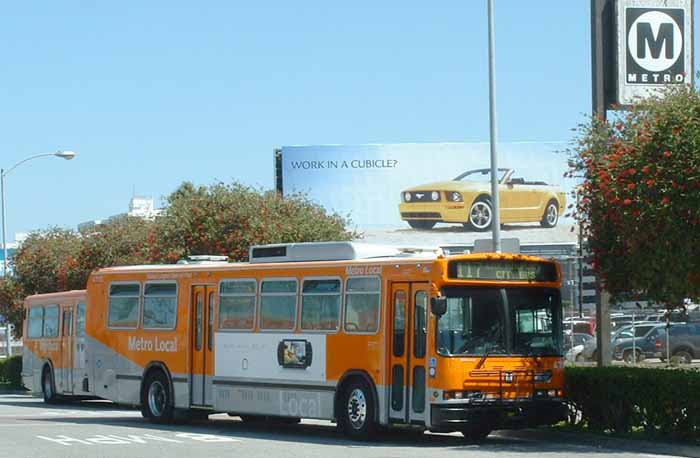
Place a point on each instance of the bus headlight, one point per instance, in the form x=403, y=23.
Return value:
x=447, y=395
x=549, y=394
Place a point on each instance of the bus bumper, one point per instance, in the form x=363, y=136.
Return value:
x=450, y=417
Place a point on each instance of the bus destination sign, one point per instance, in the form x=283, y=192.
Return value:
x=499, y=270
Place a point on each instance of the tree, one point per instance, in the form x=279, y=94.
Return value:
x=11, y=296
x=639, y=202
x=217, y=219
x=122, y=241
x=228, y=219
x=46, y=261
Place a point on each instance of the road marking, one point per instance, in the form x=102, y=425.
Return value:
x=76, y=413
x=129, y=439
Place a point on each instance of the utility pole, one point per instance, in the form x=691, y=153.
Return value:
x=495, y=198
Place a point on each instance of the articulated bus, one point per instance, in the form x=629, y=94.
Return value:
x=362, y=335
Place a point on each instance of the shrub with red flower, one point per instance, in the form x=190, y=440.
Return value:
x=639, y=202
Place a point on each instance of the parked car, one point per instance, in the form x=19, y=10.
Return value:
x=581, y=326
x=685, y=342
x=466, y=199
x=574, y=354
x=573, y=345
x=645, y=344
x=590, y=348
x=578, y=339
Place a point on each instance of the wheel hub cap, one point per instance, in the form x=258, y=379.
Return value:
x=480, y=215
x=156, y=398
x=357, y=408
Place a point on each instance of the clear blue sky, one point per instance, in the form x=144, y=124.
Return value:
x=153, y=93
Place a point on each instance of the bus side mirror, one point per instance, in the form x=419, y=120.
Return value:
x=438, y=305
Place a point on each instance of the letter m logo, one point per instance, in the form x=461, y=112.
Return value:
x=654, y=43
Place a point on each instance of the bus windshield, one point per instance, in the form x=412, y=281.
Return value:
x=500, y=321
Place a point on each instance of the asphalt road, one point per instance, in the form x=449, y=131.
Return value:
x=29, y=428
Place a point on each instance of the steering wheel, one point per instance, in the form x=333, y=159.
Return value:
x=352, y=327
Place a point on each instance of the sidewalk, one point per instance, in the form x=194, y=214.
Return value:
x=629, y=445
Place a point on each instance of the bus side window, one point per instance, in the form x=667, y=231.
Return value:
x=362, y=299
x=50, y=321
x=237, y=304
x=124, y=305
x=36, y=322
x=160, y=305
x=278, y=304
x=80, y=321
x=320, y=305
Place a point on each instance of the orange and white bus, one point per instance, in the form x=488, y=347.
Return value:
x=54, y=359
x=359, y=334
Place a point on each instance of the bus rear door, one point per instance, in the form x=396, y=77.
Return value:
x=66, y=371
x=407, y=361
x=201, y=344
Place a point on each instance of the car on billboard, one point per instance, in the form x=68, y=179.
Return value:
x=466, y=199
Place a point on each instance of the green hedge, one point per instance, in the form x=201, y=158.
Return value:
x=11, y=371
x=623, y=399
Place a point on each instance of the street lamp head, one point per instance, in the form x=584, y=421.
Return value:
x=67, y=155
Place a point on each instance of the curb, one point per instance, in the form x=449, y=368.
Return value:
x=15, y=391
x=639, y=446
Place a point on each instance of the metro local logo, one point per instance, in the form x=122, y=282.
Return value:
x=155, y=344
x=655, y=47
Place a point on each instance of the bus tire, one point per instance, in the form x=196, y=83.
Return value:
x=477, y=433
x=157, y=402
x=48, y=386
x=356, y=416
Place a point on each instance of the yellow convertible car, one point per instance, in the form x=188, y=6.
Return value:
x=467, y=200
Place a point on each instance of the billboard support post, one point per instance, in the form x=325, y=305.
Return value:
x=495, y=201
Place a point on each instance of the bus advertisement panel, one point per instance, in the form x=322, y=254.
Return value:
x=436, y=192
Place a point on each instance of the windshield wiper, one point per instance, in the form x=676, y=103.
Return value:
x=483, y=358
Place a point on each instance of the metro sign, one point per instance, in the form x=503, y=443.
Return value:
x=654, y=46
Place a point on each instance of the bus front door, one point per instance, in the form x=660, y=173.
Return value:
x=201, y=344
x=407, y=367
x=66, y=378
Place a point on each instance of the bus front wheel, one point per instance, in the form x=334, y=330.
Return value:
x=157, y=403
x=356, y=416
x=477, y=433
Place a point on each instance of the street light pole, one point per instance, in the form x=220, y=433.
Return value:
x=495, y=201
x=4, y=244
x=67, y=155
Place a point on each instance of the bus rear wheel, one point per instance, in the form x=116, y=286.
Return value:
x=48, y=387
x=157, y=403
x=356, y=416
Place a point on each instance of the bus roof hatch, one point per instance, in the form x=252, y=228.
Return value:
x=326, y=251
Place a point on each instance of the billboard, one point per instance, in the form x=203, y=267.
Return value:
x=435, y=193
